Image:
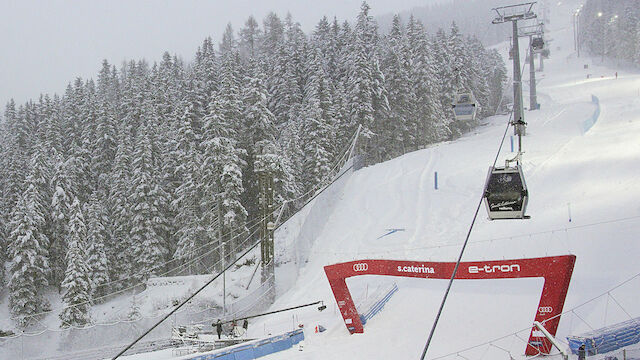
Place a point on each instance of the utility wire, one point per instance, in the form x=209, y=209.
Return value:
x=572, y=310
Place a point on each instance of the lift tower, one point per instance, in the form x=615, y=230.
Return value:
x=536, y=43
x=267, y=226
x=515, y=13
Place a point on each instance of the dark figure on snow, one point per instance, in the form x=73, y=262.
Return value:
x=581, y=352
x=219, y=328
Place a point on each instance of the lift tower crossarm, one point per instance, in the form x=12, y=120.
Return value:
x=511, y=13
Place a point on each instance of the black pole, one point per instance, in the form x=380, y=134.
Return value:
x=272, y=312
x=184, y=302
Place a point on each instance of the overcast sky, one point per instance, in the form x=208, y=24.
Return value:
x=48, y=43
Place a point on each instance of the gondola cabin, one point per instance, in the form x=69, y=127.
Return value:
x=545, y=53
x=505, y=193
x=464, y=107
x=537, y=44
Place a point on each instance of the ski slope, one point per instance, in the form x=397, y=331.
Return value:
x=583, y=201
x=583, y=186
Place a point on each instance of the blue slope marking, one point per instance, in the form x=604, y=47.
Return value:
x=390, y=231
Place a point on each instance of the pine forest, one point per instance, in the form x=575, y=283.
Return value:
x=136, y=173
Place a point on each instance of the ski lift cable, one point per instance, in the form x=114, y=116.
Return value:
x=122, y=290
x=581, y=319
x=256, y=223
x=622, y=308
x=184, y=302
x=464, y=245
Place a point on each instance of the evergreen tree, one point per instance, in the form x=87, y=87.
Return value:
x=260, y=131
x=249, y=38
x=119, y=249
x=147, y=246
x=400, y=130
x=221, y=170
x=318, y=130
x=367, y=95
x=29, y=266
x=76, y=284
x=97, y=262
x=64, y=184
x=430, y=120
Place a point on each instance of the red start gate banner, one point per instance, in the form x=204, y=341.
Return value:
x=556, y=271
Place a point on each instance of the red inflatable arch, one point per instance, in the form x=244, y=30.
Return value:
x=555, y=270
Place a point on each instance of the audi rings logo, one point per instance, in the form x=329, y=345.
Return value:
x=361, y=267
x=545, y=309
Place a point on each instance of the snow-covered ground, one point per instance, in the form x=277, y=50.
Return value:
x=583, y=187
x=583, y=201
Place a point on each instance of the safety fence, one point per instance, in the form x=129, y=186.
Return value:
x=369, y=308
x=257, y=348
x=104, y=340
x=588, y=123
x=252, y=303
x=317, y=212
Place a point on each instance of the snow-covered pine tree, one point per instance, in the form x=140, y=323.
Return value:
x=365, y=88
x=63, y=185
x=442, y=63
x=191, y=232
x=76, y=284
x=104, y=150
x=221, y=169
x=479, y=69
x=318, y=130
x=148, y=247
x=496, y=79
x=228, y=43
x=249, y=38
x=399, y=132
x=28, y=251
x=14, y=160
x=259, y=125
x=429, y=120
x=461, y=74
x=119, y=248
x=96, y=255
x=85, y=146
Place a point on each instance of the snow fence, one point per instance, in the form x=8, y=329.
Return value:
x=374, y=304
x=607, y=339
x=257, y=348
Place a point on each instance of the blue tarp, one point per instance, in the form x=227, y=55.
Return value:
x=607, y=339
x=257, y=349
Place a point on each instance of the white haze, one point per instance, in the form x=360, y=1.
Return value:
x=47, y=44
